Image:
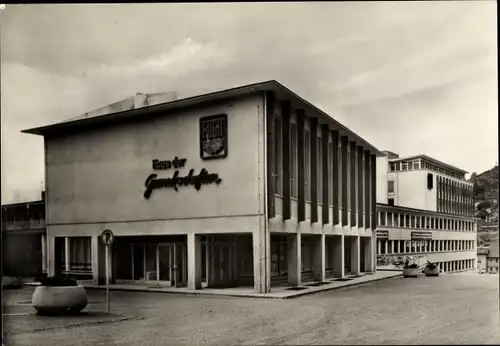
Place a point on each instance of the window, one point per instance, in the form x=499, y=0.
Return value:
x=416, y=165
x=389, y=219
x=330, y=173
x=390, y=186
x=307, y=165
x=392, y=166
x=391, y=201
x=404, y=166
x=278, y=150
x=398, y=166
x=320, y=170
x=382, y=218
x=410, y=165
x=80, y=258
x=293, y=159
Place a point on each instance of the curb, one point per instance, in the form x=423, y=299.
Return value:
x=290, y=296
x=324, y=289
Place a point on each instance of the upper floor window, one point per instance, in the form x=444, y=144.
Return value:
x=330, y=173
x=390, y=186
x=293, y=159
x=320, y=170
x=416, y=165
x=307, y=165
x=404, y=166
x=278, y=150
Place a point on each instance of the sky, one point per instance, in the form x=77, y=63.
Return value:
x=409, y=77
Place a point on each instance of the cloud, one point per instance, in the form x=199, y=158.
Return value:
x=32, y=97
x=375, y=66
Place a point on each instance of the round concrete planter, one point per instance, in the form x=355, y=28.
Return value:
x=49, y=300
x=431, y=271
x=410, y=272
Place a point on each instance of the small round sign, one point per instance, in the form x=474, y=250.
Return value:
x=107, y=237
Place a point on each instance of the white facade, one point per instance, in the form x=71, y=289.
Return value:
x=382, y=178
x=425, y=212
x=258, y=218
x=410, y=190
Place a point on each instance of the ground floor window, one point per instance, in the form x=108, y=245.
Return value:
x=80, y=254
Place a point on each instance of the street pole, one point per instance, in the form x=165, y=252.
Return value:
x=107, y=278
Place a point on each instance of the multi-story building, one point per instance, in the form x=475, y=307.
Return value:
x=492, y=260
x=425, y=210
x=482, y=256
x=251, y=185
x=23, y=236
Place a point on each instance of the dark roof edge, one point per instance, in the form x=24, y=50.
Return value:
x=23, y=203
x=194, y=100
x=436, y=161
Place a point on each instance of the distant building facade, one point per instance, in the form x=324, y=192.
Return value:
x=482, y=259
x=492, y=259
x=23, y=238
x=425, y=210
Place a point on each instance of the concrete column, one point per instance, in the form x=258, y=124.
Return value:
x=368, y=254
x=386, y=246
x=66, y=254
x=379, y=247
x=95, y=259
x=51, y=256
x=355, y=253
x=338, y=264
x=194, y=261
x=261, y=260
x=392, y=246
x=294, y=252
x=44, y=252
x=319, y=258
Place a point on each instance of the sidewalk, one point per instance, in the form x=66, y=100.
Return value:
x=280, y=292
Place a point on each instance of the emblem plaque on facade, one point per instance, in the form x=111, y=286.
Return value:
x=213, y=137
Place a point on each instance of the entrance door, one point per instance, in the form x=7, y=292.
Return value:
x=222, y=265
x=164, y=263
x=347, y=255
x=179, y=257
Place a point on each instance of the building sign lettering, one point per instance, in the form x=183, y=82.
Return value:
x=421, y=235
x=203, y=178
x=213, y=137
x=167, y=164
x=382, y=234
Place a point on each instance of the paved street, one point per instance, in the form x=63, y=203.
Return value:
x=451, y=309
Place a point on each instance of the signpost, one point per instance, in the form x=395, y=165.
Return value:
x=107, y=238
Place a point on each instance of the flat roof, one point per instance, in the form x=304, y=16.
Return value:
x=383, y=205
x=19, y=204
x=428, y=158
x=281, y=92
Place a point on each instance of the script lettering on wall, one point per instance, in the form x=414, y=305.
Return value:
x=176, y=181
x=213, y=137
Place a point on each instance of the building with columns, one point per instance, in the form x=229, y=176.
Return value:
x=251, y=186
x=23, y=238
x=425, y=209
